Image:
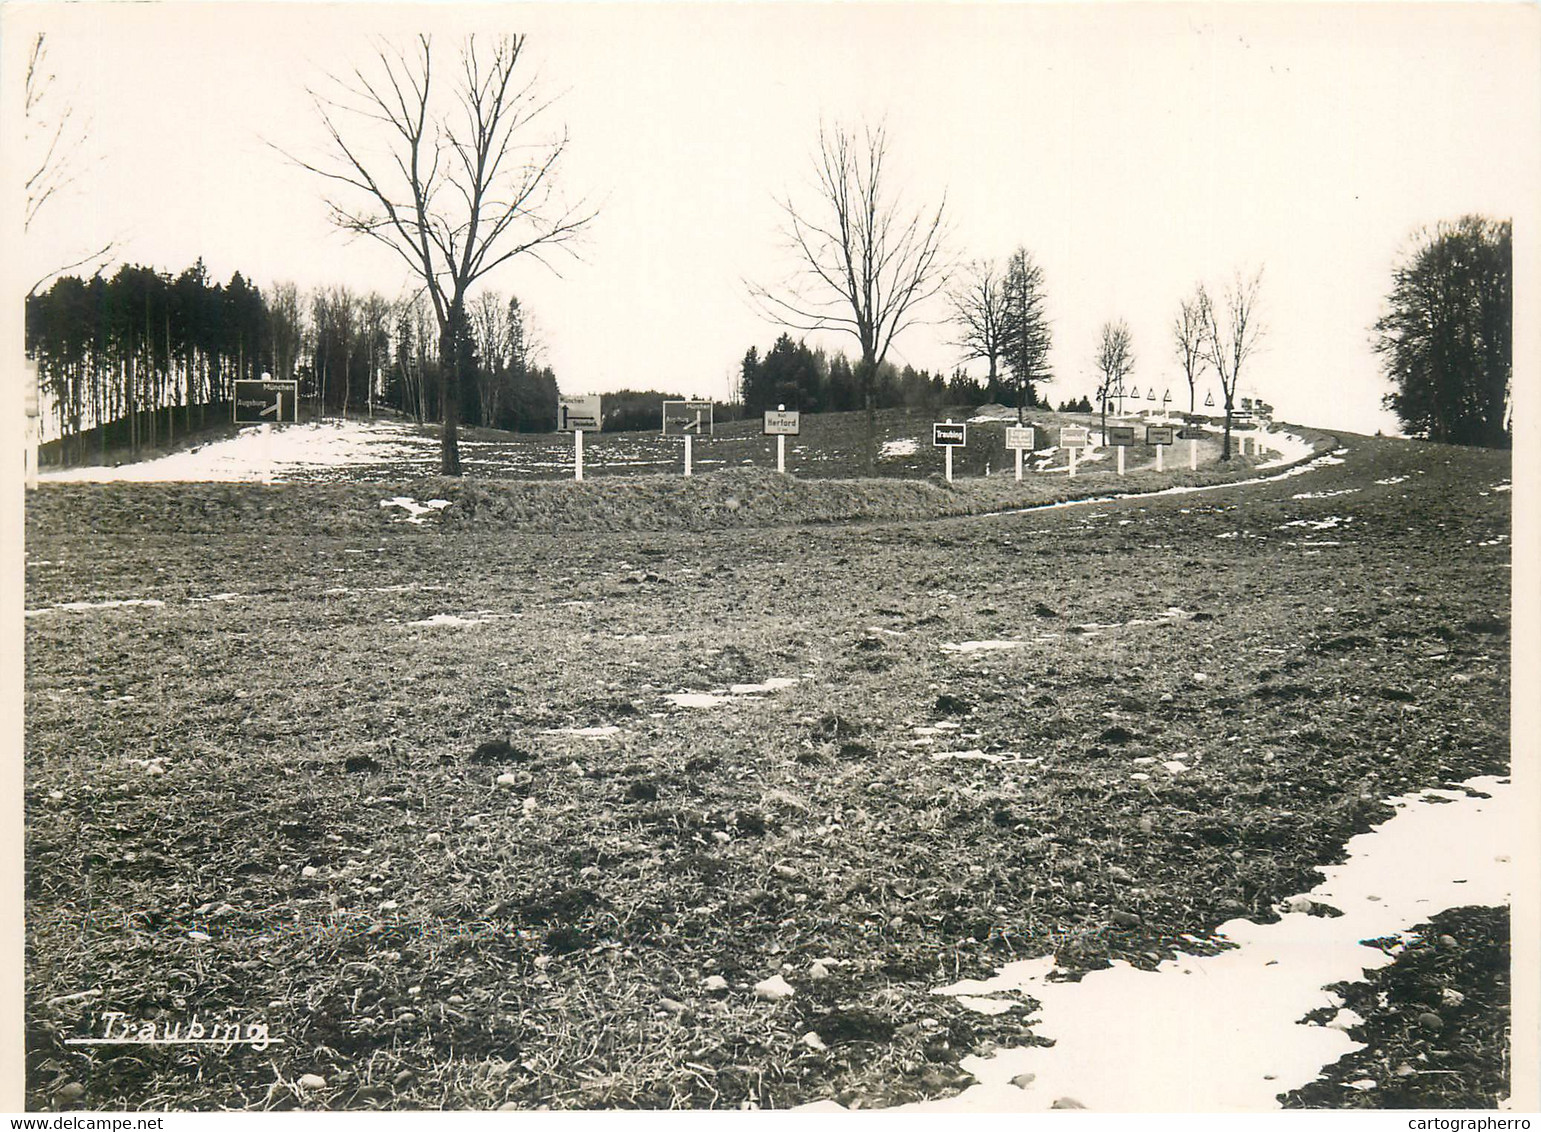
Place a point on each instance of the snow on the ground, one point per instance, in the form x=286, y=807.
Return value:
x=263, y=452
x=980, y=646
x=87, y=606
x=1223, y=1032
x=1288, y=447
x=904, y=446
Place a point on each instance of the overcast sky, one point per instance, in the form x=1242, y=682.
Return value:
x=1134, y=150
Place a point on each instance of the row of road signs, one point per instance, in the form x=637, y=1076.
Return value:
x=1019, y=438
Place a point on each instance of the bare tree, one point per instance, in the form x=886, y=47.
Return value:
x=54, y=139
x=460, y=188
x=1231, y=336
x=1188, y=337
x=286, y=326
x=866, y=262
x=1115, y=361
x=978, y=304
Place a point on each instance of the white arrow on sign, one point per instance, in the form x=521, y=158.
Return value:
x=275, y=409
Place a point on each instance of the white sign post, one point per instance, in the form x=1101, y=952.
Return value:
x=1193, y=453
x=30, y=395
x=1019, y=438
x=782, y=424
x=574, y=414
x=1160, y=436
x=687, y=453
x=947, y=437
x=1072, y=437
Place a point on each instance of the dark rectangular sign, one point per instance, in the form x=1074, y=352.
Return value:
x=949, y=435
x=1160, y=434
x=1120, y=436
x=259, y=401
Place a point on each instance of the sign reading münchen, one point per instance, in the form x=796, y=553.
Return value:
x=268, y=400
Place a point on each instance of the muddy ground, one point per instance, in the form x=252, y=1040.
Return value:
x=416, y=797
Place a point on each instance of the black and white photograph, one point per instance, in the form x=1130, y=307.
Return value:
x=821, y=557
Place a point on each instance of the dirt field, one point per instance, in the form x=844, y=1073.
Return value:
x=471, y=813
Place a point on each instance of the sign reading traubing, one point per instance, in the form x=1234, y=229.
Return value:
x=265, y=400
x=949, y=435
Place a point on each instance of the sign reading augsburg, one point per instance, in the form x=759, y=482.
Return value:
x=949, y=435
x=782, y=422
x=269, y=400
x=573, y=413
x=1019, y=436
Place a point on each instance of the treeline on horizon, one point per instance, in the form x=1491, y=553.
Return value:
x=132, y=360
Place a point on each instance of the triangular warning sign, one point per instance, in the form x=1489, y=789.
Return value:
x=1209, y=399
x=1151, y=396
x=1135, y=392
x=1167, y=396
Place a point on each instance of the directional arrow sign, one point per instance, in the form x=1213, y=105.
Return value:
x=573, y=413
x=258, y=401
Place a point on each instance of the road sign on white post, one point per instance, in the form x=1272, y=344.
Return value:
x=1073, y=437
x=782, y=424
x=688, y=439
x=1160, y=436
x=947, y=437
x=1019, y=438
x=574, y=414
x=691, y=418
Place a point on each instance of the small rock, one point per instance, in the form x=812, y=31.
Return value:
x=199, y=937
x=1364, y=1084
x=498, y=751
x=506, y=779
x=71, y=1092
x=1405, y=1070
x=309, y=872
x=715, y=984
x=1451, y=997
x=673, y=1006
x=389, y=906
x=434, y=839
x=509, y=1106
x=785, y=872
x=1448, y=941
x=1199, y=678
x=812, y=1040
x=404, y=1078
x=1126, y=919
x=818, y=971
x=1298, y=904
x=1167, y=697
x=773, y=989
x=312, y=1081
x=1431, y=1021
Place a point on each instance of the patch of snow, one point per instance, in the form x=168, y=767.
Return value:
x=774, y=684
x=904, y=446
x=452, y=619
x=1326, y=524
x=1505, y=486
x=584, y=732
x=416, y=512
x=87, y=606
x=1288, y=448
x=696, y=699
x=218, y=597
x=981, y=646
x=1222, y=1032
x=267, y=451
x=1389, y=480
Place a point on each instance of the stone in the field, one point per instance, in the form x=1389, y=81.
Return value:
x=71, y=1092
x=715, y=984
x=360, y=764
x=506, y=779
x=1451, y=997
x=812, y=1040
x=1430, y=1021
x=309, y=872
x=1126, y=919
x=199, y=937
x=773, y=989
x=433, y=839
x=312, y=1081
